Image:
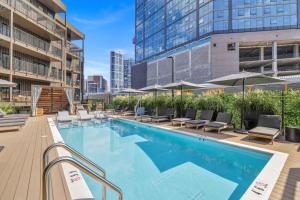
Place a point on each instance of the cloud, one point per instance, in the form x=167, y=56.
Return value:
x=109, y=17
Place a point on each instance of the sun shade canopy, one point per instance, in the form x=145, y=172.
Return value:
x=153, y=88
x=182, y=85
x=4, y=83
x=245, y=78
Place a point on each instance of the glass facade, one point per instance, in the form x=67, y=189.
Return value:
x=162, y=25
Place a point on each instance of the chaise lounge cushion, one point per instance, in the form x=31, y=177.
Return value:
x=197, y=122
x=216, y=124
x=264, y=131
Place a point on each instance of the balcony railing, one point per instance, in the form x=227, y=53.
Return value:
x=74, y=49
x=4, y=62
x=17, y=96
x=39, y=17
x=4, y=27
x=36, y=42
x=69, y=81
x=33, y=68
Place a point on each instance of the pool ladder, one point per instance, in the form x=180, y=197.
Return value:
x=101, y=177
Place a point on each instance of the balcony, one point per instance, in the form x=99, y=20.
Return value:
x=4, y=27
x=74, y=50
x=56, y=74
x=33, y=68
x=69, y=81
x=21, y=98
x=37, y=16
x=36, y=42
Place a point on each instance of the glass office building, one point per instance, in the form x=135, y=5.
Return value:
x=163, y=25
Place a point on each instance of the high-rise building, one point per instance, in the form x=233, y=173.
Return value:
x=116, y=71
x=128, y=63
x=95, y=85
x=37, y=48
x=205, y=39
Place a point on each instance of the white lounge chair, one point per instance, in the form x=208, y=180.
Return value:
x=84, y=116
x=100, y=115
x=63, y=117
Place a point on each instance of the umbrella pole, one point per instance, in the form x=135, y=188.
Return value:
x=181, y=110
x=242, y=109
x=156, y=107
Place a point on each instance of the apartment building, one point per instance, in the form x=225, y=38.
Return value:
x=116, y=71
x=128, y=63
x=203, y=39
x=95, y=84
x=39, y=47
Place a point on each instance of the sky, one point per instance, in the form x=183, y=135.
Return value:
x=107, y=25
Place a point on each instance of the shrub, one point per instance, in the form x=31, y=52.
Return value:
x=257, y=101
x=7, y=107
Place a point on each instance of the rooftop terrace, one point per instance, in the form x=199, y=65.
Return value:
x=21, y=166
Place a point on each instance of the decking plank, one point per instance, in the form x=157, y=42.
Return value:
x=17, y=171
x=16, y=157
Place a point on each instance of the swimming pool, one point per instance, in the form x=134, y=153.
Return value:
x=153, y=164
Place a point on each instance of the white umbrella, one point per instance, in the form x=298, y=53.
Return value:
x=5, y=83
x=130, y=91
x=153, y=88
x=244, y=78
x=182, y=85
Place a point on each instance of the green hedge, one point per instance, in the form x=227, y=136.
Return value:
x=7, y=107
x=259, y=101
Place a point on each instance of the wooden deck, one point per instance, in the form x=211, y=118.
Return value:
x=21, y=163
x=21, y=167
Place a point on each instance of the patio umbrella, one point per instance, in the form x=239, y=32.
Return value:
x=244, y=78
x=130, y=91
x=182, y=85
x=153, y=88
x=4, y=83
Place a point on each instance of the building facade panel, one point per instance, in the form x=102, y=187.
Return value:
x=252, y=35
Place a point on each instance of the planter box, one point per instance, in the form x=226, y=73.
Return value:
x=292, y=134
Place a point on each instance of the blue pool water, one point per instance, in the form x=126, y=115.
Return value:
x=154, y=164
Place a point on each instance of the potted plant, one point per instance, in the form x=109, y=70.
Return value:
x=292, y=116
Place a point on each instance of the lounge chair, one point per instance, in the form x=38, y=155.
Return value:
x=13, y=116
x=84, y=116
x=121, y=110
x=189, y=115
x=205, y=117
x=12, y=123
x=222, y=122
x=147, y=115
x=63, y=117
x=128, y=112
x=100, y=116
x=269, y=127
x=166, y=116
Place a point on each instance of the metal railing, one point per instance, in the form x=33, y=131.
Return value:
x=37, y=15
x=100, y=177
x=74, y=49
x=36, y=42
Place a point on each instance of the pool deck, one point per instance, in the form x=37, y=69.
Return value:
x=21, y=162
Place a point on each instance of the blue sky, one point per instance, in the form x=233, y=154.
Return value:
x=108, y=25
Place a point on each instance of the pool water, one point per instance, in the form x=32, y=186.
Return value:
x=149, y=163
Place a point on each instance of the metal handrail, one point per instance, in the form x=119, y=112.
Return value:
x=77, y=154
x=85, y=169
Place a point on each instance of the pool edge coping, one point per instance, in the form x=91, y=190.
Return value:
x=266, y=179
x=78, y=188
